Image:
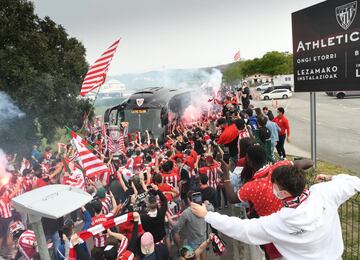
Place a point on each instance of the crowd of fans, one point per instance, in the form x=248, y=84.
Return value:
x=226, y=158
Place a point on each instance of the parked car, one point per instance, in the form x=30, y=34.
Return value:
x=269, y=89
x=276, y=94
x=263, y=86
x=343, y=94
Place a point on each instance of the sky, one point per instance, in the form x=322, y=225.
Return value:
x=164, y=34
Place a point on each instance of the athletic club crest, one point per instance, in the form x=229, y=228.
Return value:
x=139, y=102
x=345, y=14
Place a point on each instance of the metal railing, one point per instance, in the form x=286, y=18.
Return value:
x=349, y=214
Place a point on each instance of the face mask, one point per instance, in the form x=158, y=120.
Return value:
x=276, y=194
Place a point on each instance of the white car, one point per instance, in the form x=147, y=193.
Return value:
x=263, y=86
x=277, y=93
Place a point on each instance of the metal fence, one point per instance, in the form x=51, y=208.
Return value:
x=349, y=214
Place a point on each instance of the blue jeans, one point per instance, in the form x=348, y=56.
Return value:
x=55, y=238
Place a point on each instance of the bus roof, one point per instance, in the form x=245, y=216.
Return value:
x=155, y=97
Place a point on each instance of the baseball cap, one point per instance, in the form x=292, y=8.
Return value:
x=101, y=193
x=147, y=243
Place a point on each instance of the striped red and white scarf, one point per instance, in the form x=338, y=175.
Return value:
x=86, y=234
x=294, y=202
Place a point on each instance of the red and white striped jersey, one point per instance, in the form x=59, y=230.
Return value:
x=212, y=173
x=5, y=207
x=171, y=178
x=76, y=179
x=100, y=238
x=12, y=187
x=27, y=184
x=106, y=205
x=122, y=246
x=27, y=244
x=243, y=134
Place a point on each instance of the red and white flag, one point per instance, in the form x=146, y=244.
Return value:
x=116, y=145
x=237, y=56
x=96, y=75
x=90, y=162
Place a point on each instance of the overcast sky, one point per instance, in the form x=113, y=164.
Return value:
x=159, y=34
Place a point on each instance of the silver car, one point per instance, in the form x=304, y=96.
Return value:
x=343, y=94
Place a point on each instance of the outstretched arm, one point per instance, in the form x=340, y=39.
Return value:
x=250, y=231
x=229, y=189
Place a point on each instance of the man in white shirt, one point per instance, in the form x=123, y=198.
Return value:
x=307, y=227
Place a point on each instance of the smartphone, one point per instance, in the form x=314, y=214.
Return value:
x=196, y=198
x=145, y=176
x=130, y=182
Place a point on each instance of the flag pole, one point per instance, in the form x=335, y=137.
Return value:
x=97, y=92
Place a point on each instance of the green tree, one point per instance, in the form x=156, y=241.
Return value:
x=41, y=68
x=272, y=63
x=233, y=73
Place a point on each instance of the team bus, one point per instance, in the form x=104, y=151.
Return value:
x=149, y=109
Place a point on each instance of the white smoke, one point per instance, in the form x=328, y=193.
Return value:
x=215, y=79
x=8, y=110
x=4, y=175
x=200, y=104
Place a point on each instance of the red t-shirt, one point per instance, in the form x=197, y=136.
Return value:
x=259, y=191
x=138, y=162
x=177, y=156
x=283, y=123
x=164, y=187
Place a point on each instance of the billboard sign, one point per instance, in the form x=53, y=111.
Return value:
x=326, y=46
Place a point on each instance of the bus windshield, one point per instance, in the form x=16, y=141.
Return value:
x=140, y=120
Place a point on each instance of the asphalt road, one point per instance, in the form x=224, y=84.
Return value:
x=338, y=126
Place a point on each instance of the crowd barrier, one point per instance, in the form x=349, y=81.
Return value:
x=349, y=214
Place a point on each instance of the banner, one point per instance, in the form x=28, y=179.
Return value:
x=326, y=47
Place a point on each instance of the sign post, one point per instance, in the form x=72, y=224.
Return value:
x=313, y=126
x=326, y=51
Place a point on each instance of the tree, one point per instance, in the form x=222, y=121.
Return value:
x=272, y=63
x=42, y=69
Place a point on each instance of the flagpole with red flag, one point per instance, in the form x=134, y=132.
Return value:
x=237, y=56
